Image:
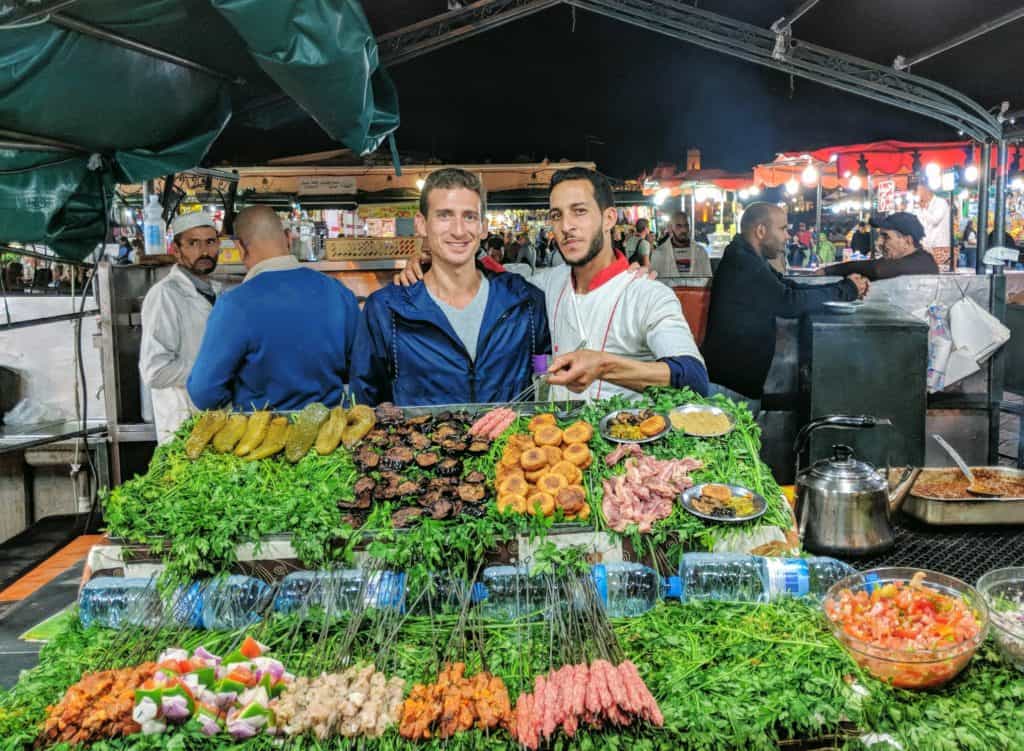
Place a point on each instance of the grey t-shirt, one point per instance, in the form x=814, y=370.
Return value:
x=466, y=322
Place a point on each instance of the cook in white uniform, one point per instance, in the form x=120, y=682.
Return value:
x=678, y=255
x=174, y=315
x=612, y=331
x=933, y=213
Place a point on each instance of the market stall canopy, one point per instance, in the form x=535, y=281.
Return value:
x=97, y=92
x=894, y=157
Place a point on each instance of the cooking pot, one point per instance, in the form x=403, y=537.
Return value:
x=845, y=506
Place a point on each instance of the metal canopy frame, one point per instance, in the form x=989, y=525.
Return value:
x=434, y=33
x=903, y=63
x=773, y=48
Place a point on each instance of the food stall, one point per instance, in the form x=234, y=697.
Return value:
x=510, y=576
x=258, y=577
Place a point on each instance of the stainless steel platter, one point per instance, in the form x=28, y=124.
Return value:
x=968, y=510
x=760, y=505
x=706, y=408
x=603, y=427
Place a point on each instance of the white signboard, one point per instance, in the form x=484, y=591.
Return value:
x=886, y=196
x=326, y=185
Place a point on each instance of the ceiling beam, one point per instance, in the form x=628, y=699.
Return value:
x=432, y=34
x=904, y=63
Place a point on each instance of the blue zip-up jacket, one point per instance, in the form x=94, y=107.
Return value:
x=407, y=352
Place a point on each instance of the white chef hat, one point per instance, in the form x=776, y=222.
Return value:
x=185, y=222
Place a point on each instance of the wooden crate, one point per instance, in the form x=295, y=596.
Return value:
x=370, y=248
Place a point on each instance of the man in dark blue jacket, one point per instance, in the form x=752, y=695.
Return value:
x=457, y=336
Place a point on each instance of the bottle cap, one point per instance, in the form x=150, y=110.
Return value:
x=674, y=587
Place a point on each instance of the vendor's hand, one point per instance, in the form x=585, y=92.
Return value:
x=862, y=283
x=413, y=271
x=576, y=370
x=999, y=255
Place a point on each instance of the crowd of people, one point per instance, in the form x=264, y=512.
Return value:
x=37, y=276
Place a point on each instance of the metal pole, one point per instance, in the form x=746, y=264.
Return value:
x=999, y=210
x=87, y=29
x=28, y=141
x=984, y=178
x=817, y=213
x=784, y=23
x=902, y=63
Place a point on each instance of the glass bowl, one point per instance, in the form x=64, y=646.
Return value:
x=910, y=668
x=1003, y=590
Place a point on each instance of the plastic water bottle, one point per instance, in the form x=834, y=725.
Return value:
x=626, y=589
x=441, y=593
x=748, y=578
x=234, y=602
x=332, y=592
x=154, y=227
x=541, y=389
x=505, y=593
x=115, y=602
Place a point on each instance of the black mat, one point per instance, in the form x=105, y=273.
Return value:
x=51, y=598
x=26, y=550
x=963, y=552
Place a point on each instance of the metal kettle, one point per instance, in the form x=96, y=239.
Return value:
x=844, y=506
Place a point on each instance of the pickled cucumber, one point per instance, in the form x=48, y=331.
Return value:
x=329, y=437
x=277, y=436
x=255, y=432
x=206, y=427
x=361, y=420
x=305, y=430
x=230, y=434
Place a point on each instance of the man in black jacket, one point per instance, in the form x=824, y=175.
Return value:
x=746, y=297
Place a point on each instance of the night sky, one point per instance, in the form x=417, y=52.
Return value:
x=582, y=86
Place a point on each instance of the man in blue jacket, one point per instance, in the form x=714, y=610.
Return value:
x=281, y=340
x=457, y=336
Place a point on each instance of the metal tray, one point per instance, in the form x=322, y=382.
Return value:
x=604, y=430
x=685, y=408
x=970, y=510
x=761, y=505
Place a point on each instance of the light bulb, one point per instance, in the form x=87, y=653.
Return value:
x=855, y=182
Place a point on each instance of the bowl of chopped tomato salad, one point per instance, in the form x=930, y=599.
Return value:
x=910, y=628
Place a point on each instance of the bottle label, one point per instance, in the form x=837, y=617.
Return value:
x=153, y=235
x=788, y=576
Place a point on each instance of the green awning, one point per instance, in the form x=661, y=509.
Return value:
x=133, y=116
